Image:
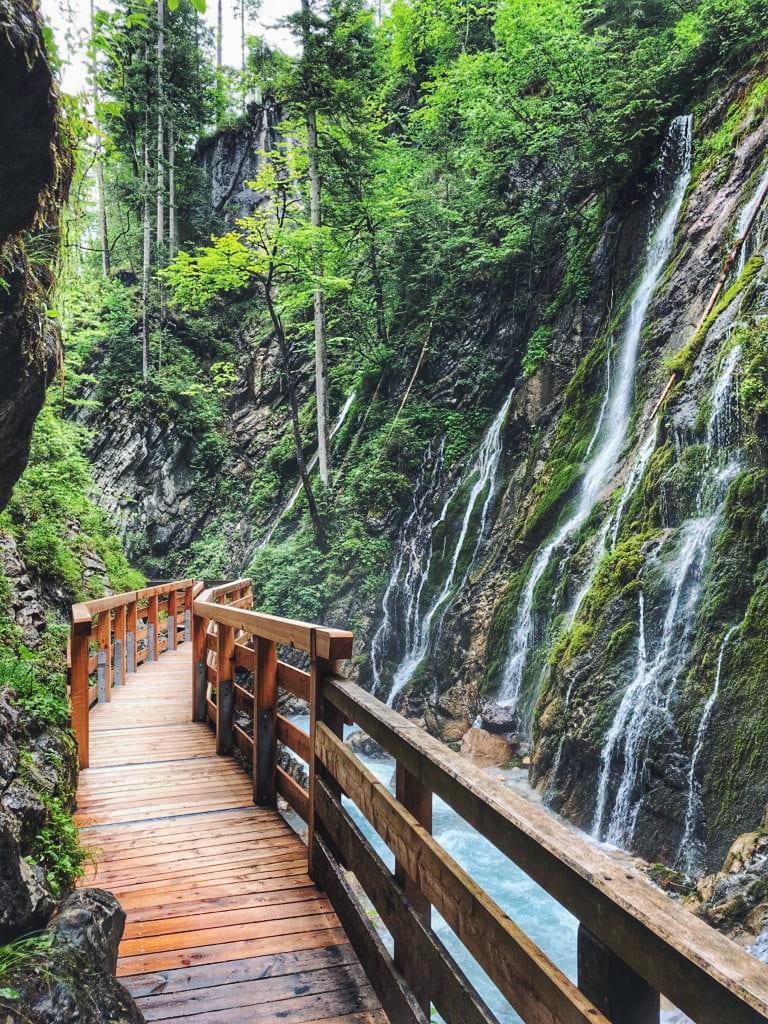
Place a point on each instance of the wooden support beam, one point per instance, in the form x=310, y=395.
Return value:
x=120, y=652
x=622, y=995
x=199, y=667
x=417, y=799
x=188, y=601
x=320, y=711
x=172, y=614
x=79, y=693
x=265, y=723
x=225, y=693
x=104, y=654
x=131, y=630
x=152, y=645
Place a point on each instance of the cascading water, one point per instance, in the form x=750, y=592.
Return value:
x=644, y=708
x=747, y=212
x=422, y=629
x=410, y=568
x=296, y=492
x=689, y=854
x=613, y=421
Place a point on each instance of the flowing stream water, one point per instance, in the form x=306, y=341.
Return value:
x=644, y=709
x=610, y=431
x=412, y=564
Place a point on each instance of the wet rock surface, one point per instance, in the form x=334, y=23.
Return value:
x=34, y=177
x=68, y=974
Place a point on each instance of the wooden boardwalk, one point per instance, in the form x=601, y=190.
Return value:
x=224, y=924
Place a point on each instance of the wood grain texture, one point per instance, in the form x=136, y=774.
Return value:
x=702, y=972
x=224, y=923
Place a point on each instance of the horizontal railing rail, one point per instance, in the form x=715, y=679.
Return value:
x=111, y=636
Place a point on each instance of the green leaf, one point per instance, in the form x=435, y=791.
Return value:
x=9, y=993
x=199, y=6
x=173, y=5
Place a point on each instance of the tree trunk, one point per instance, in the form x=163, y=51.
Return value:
x=219, y=36
x=173, y=238
x=321, y=350
x=160, y=237
x=293, y=403
x=100, y=192
x=146, y=267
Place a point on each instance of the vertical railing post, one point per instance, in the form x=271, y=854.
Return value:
x=188, y=599
x=131, y=629
x=615, y=989
x=225, y=692
x=199, y=666
x=172, y=613
x=264, y=722
x=417, y=799
x=120, y=635
x=319, y=711
x=152, y=628
x=79, y=688
x=104, y=655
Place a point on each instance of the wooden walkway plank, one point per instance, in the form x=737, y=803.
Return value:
x=223, y=923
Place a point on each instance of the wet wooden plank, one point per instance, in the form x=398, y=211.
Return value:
x=223, y=922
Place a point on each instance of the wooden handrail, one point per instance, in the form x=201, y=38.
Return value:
x=121, y=644
x=629, y=929
x=332, y=644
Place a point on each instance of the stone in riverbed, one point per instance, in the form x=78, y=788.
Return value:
x=485, y=749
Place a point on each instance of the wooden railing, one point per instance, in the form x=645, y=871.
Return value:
x=112, y=636
x=633, y=942
x=237, y=668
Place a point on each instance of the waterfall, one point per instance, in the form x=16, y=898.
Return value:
x=422, y=628
x=744, y=218
x=689, y=853
x=410, y=569
x=296, y=492
x=644, y=708
x=610, y=432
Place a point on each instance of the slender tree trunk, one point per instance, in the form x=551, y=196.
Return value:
x=146, y=267
x=173, y=237
x=100, y=192
x=106, y=256
x=160, y=237
x=321, y=350
x=242, y=54
x=378, y=287
x=293, y=404
x=219, y=36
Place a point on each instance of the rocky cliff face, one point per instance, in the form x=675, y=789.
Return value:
x=614, y=610
x=34, y=179
x=590, y=577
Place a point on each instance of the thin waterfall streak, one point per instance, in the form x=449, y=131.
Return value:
x=484, y=473
x=687, y=852
x=745, y=216
x=612, y=425
x=650, y=694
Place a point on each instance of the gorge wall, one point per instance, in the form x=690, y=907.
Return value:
x=67, y=972
x=582, y=571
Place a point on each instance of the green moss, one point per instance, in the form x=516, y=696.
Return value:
x=682, y=362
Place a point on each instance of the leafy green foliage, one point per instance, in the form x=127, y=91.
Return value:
x=53, y=517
